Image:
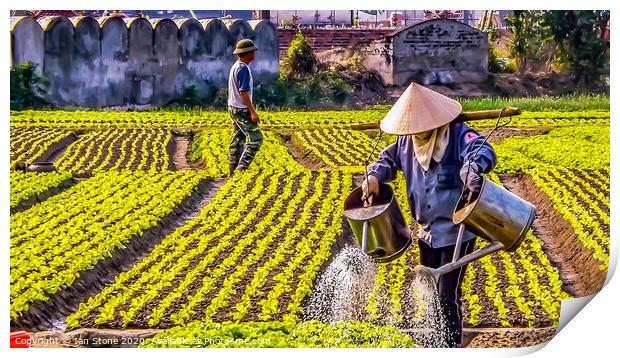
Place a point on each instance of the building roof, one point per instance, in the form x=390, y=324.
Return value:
x=398, y=31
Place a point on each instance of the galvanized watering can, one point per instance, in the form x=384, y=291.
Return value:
x=496, y=215
x=380, y=229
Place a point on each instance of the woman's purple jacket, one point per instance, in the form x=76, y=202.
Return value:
x=433, y=194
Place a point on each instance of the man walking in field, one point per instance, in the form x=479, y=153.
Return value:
x=247, y=136
x=434, y=154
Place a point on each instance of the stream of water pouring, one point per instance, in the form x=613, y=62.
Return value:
x=344, y=289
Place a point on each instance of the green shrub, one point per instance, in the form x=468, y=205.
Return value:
x=189, y=97
x=27, y=87
x=325, y=87
x=498, y=63
x=299, y=59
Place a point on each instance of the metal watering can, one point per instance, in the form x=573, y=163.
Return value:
x=380, y=229
x=496, y=215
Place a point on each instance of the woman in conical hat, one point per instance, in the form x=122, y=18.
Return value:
x=433, y=152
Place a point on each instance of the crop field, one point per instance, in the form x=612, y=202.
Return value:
x=336, y=147
x=251, y=254
x=28, y=185
x=117, y=149
x=54, y=241
x=28, y=144
x=269, y=120
x=118, y=239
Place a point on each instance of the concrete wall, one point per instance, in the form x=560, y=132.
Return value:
x=26, y=41
x=85, y=71
x=114, y=62
x=59, y=45
x=438, y=51
x=266, y=39
x=102, y=62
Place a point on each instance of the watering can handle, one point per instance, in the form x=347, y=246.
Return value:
x=459, y=240
x=365, y=236
x=475, y=155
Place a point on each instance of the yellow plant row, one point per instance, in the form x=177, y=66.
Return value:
x=251, y=254
x=53, y=242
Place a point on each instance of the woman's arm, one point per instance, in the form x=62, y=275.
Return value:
x=470, y=141
x=384, y=169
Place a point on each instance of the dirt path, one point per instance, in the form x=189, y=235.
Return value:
x=179, y=147
x=579, y=270
x=56, y=150
x=506, y=132
x=303, y=157
x=508, y=337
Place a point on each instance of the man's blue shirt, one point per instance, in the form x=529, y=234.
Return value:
x=243, y=78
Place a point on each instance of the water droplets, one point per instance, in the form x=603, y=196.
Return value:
x=343, y=291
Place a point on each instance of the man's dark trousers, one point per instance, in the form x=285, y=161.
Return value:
x=247, y=138
x=449, y=285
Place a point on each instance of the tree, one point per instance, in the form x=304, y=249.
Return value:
x=528, y=35
x=27, y=87
x=577, y=35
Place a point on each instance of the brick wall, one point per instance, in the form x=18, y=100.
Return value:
x=325, y=39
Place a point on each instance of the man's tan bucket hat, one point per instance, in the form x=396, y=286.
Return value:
x=243, y=46
x=419, y=109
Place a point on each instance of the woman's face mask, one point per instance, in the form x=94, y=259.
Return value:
x=424, y=135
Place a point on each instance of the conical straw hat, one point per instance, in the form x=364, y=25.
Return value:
x=419, y=109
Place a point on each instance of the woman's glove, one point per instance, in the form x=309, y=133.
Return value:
x=370, y=188
x=470, y=175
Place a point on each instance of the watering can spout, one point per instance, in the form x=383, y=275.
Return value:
x=435, y=273
x=431, y=275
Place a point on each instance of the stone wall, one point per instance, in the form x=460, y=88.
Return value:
x=438, y=51
x=103, y=62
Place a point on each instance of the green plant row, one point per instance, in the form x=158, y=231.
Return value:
x=584, y=214
x=275, y=237
x=26, y=185
x=309, y=334
x=54, y=241
x=534, y=104
x=282, y=119
x=580, y=147
x=117, y=149
x=28, y=144
x=337, y=147
x=171, y=252
x=211, y=146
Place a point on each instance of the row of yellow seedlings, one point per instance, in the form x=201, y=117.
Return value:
x=53, y=242
x=140, y=149
x=247, y=230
